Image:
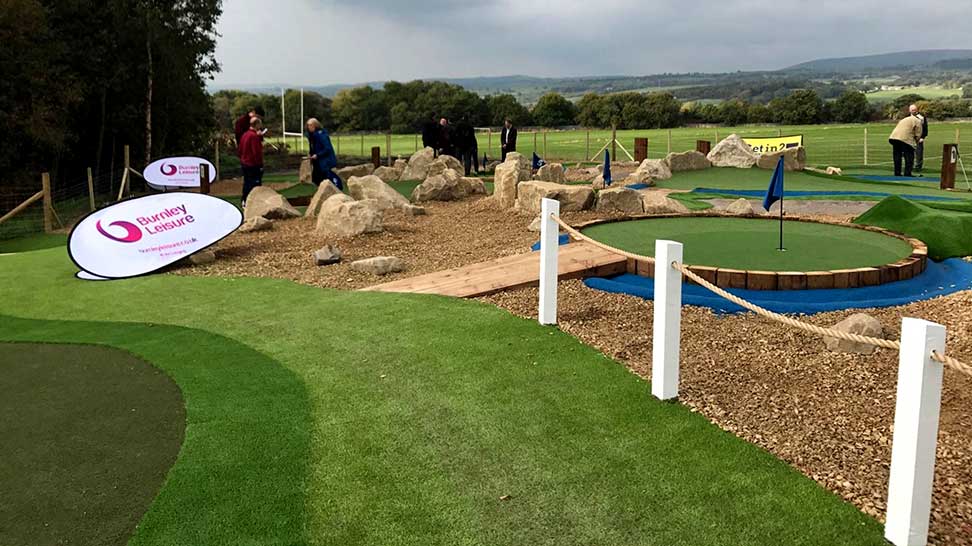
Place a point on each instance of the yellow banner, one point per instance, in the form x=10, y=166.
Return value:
x=773, y=144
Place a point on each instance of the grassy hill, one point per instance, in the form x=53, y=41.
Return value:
x=922, y=58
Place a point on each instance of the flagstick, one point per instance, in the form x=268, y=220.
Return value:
x=781, y=249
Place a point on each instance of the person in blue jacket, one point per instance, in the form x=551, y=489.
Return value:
x=322, y=156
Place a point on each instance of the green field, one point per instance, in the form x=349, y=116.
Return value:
x=926, y=91
x=749, y=243
x=838, y=145
x=324, y=417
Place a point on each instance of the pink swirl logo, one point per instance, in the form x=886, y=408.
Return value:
x=168, y=170
x=132, y=232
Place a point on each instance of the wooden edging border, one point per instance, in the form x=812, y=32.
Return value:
x=901, y=270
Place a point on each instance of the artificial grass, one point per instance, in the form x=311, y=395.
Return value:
x=326, y=417
x=946, y=230
x=750, y=243
x=89, y=434
x=33, y=242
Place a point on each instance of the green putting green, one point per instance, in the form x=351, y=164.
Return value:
x=944, y=227
x=751, y=243
x=89, y=434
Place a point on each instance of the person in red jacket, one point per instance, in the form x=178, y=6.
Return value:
x=251, y=157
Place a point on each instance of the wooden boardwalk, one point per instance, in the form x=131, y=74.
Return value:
x=577, y=259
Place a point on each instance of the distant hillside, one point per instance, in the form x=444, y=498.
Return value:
x=901, y=59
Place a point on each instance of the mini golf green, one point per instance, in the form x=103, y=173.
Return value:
x=751, y=243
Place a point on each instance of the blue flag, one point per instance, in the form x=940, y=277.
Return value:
x=607, y=168
x=775, y=191
x=537, y=162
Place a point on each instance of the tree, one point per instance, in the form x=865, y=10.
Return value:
x=589, y=111
x=733, y=112
x=851, y=107
x=553, y=110
x=802, y=107
x=502, y=107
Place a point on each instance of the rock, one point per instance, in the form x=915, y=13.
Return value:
x=264, y=201
x=794, y=159
x=551, y=172
x=203, y=257
x=732, y=152
x=324, y=191
x=858, y=323
x=535, y=225
x=400, y=165
x=637, y=177
x=491, y=165
x=578, y=174
x=598, y=183
x=526, y=167
x=415, y=210
x=691, y=160
x=624, y=200
x=418, y=165
x=363, y=169
x=572, y=198
x=328, y=255
x=372, y=187
x=505, y=181
x=656, y=169
x=258, y=223
x=448, y=186
x=656, y=202
x=380, y=265
x=306, y=172
x=341, y=215
x=741, y=207
x=388, y=174
x=444, y=163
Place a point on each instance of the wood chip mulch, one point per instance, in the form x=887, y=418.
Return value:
x=828, y=415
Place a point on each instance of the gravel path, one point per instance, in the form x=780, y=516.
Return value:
x=808, y=207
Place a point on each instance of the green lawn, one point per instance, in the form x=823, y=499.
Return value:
x=324, y=417
x=744, y=243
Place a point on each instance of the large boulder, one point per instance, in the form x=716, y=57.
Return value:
x=858, y=323
x=379, y=265
x=306, y=172
x=732, y=152
x=656, y=202
x=505, y=181
x=257, y=223
x=624, y=200
x=342, y=216
x=388, y=174
x=203, y=257
x=324, y=191
x=551, y=172
x=363, y=169
x=794, y=159
x=418, y=165
x=637, y=177
x=572, y=198
x=691, y=160
x=372, y=187
x=649, y=170
x=266, y=202
x=741, y=207
x=448, y=186
x=444, y=163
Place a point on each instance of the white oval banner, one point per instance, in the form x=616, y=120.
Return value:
x=176, y=172
x=142, y=235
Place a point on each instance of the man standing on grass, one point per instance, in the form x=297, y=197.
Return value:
x=466, y=145
x=904, y=139
x=920, y=148
x=251, y=157
x=507, y=139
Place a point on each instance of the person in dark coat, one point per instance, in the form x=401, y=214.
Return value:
x=920, y=148
x=251, y=157
x=322, y=156
x=242, y=124
x=446, y=143
x=507, y=139
x=430, y=133
x=466, y=145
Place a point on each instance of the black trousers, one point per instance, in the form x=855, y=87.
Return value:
x=506, y=151
x=919, y=157
x=470, y=159
x=252, y=177
x=902, y=150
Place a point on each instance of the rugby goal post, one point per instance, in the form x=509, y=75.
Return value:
x=283, y=119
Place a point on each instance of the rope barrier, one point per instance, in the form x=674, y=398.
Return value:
x=957, y=365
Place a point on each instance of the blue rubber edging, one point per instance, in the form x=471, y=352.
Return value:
x=939, y=279
x=820, y=193
x=888, y=178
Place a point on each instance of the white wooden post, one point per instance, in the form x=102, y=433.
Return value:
x=667, y=323
x=549, y=246
x=915, y=433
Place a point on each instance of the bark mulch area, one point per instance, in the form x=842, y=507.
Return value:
x=829, y=415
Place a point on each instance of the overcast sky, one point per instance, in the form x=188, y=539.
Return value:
x=316, y=42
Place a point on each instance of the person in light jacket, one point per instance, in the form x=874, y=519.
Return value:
x=920, y=148
x=322, y=156
x=904, y=140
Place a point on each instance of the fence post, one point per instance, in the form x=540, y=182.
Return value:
x=216, y=163
x=667, y=321
x=416, y=143
x=338, y=152
x=362, y=144
x=388, y=139
x=489, y=142
x=91, y=197
x=865, y=145
x=549, y=247
x=48, y=203
x=204, y=178
x=587, y=151
x=916, y=412
x=614, y=143
x=669, y=141
x=544, y=144
x=535, y=142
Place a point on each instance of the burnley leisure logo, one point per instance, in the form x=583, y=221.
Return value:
x=142, y=235
x=168, y=169
x=177, y=172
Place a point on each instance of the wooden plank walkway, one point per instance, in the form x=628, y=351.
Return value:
x=577, y=259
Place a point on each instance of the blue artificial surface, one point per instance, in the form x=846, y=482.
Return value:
x=637, y=186
x=939, y=279
x=562, y=240
x=820, y=193
x=888, y=178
